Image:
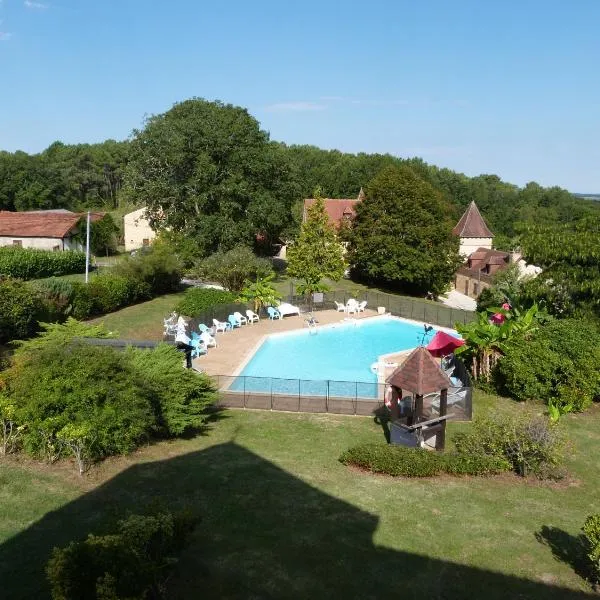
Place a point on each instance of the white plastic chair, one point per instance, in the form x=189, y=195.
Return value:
x=241, y=318
x=252, y=316
x=361, y=306
x=221, y=326
x=208, y=340
x=339, y=306
x=352, y=306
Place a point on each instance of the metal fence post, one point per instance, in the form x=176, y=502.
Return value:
x=244, y=401
x=271, y=393
x=327, y=398
x=355, y=396
x=299, y=396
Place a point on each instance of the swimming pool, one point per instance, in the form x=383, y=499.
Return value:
x=333, y=360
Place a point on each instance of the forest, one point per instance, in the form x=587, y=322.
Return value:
x=82, y=176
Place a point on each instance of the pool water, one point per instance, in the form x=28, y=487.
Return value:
x=331, y=360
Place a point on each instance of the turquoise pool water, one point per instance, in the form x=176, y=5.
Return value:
x=334, y=360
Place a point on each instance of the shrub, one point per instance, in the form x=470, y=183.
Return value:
x=66, y=397
x=197, y=300
x=109, y=292
x=134, y=562
x=560, y=363
x=57, y=297
x=27, y=263
x=20, y=308
x=231, y=269
x=415, y=462
x=529, y=444
x=591, y=532
x=103, y=236
x=158, y=269
x=182, y=395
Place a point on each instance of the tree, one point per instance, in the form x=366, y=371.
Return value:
x=317, y=253
x=233, y=268
x=260, y=292
x=103, y=236
x=207, y=170
x=402, y=236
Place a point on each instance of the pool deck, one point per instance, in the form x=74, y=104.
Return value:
x=235, y=348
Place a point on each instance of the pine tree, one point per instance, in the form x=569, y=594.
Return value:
x=317, y=254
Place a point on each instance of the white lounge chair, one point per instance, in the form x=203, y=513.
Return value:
x=339, y=306
x=241, y=318
x=221, y=325
x=361, y=306
x=208, y=340
x=286, y=309
x=252, y=316
x=352, y=306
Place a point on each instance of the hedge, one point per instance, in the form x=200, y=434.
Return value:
x=197, y=300
x=415, y=462
x=20, y=309
x=27, y=263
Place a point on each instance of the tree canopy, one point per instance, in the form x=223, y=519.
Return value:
x=402, y=234
x=207, y=170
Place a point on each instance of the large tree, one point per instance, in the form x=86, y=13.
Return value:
x=206, y=170
x=402, y=234
x=317, y=254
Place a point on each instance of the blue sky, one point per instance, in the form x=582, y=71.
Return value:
x=481, y=87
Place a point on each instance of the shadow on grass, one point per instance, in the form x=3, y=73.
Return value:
x=567, y=548
x=262, y=534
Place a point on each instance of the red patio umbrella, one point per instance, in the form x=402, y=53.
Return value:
x=443, y=344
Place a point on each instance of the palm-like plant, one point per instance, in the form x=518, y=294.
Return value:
x=261, y=292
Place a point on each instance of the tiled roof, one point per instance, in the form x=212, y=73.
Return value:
x=337, y=208
x=420, y=373
x=472, y=225
x=37, y=224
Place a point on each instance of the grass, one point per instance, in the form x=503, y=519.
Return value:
x=142, y=321
x=282, y=518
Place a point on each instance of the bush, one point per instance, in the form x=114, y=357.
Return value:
x=109, y=292
x=20, y=308
x=559, y=364
x=197, y=300
x=134, y=562
x=231, y=269
x=415, y=462
x=103, y=236
x=27, y=263
x=158, y=270
x=57, y=297
x=72, y=398
x=529, y=444
x=591, y=532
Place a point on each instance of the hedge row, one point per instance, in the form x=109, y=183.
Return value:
x=415, y=462
x=27, y=263
x=198, y=300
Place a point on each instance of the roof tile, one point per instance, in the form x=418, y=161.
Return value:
x=472, y=225
x=420, y=373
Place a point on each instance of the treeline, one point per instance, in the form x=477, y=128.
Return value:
x=227, y=168
x=75, y=177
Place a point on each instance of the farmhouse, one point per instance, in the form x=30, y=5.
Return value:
x=137, y=230
x=44, y=229
x=482, y=261
x=339, y=210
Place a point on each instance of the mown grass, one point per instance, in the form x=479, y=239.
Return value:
x=142, y=321
x=282, y=518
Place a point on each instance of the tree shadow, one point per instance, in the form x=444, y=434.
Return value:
x=263, y=533
x=567, y=548
x=382, y=418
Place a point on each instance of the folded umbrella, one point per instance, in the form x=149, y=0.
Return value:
x=443, y=344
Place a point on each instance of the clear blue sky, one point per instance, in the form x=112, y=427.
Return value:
x=508, y=87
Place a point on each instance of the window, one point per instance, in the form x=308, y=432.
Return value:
x=56, y=248
x=18, y=243
x=145, y=242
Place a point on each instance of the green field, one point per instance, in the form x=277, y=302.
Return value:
x=282, y=518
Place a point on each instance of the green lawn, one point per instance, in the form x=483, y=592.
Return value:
x=282, y=518
x=141, y=321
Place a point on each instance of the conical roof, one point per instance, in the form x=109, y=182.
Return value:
x=472, y=225
x=420, y=374
x=361, y=195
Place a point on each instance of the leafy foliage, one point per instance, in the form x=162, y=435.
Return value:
x=197, y=300
x=261, y=293
x=69, y=397
x=134, y=562
x=207, y=170
x=415, y=462
x=529, y=444
x=317, y=253
x=591, y=531
x=559, y=364
x=103, y=236
x=28, y=263
x=20, y=308
x=570, y=257
x=233, y=268
x=402, y=235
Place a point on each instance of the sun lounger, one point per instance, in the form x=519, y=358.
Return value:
x=252, y=317
x=285, y=309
